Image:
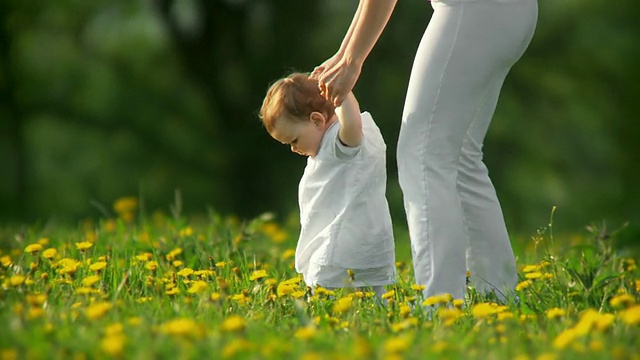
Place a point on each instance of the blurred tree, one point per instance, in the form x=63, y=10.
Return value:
x=103, y=99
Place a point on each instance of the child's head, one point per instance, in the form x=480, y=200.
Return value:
x=294, y=113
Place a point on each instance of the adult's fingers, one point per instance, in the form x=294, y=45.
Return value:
x=316, y=72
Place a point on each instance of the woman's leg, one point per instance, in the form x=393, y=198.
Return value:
x=489, y=254
x=462, y=59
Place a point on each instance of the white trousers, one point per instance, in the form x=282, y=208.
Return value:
x=455, y=220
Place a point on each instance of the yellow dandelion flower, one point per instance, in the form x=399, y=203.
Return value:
x=151, y=265
x=114, y=329
x=530, y=268
x=144, y=256
x=605, y=321
x=90, y=280
x=286, y=288
x=204, y=273
x=198, y=287
x=440, y=346
x=36, y=299
x=185, y=272
x=221, y=264
x=362, y=348
x=82, y=246
x=629, y=265
x=33, y=248
x=320, y=291
x=439, y=299
x=16, y=280
x=8, y=354
x=503, y=316
x=188, y=231
x=274, y=232
x=173, y=253
x=527, y=317
x=234, y=323
x=458, y=303
x=97, y=310
x=182, y=327
x=113, y=344
x=298, y=294
x=172, y=291
x=6, y=260
x=449, y=315
x=397, y=345
x=523, y=285
x=50, y=253
x=134, y=321
x=404, y=310
x=483, y=310
x=622, y=300
x=98, y=266
x=565, y=338
x=71, y=264
x=631, y=316
x=214, y=296
x=555, y=313
x=241, y=298
x=408, y=323
x=125, y=205
x=306, y=333
x=417, y=287
x=389, y=295
x=342, y=305
x=35, y=313
x=18, y=309
x=587, y=322
x=287, y=254
x=596, y=345
x=234, y=348
x=533, y=275
x=258, y=274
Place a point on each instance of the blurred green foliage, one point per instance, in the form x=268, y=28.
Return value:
x=101, y=99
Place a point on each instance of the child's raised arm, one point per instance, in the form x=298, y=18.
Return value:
x=350, y=121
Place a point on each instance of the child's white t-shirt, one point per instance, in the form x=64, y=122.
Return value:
x=344, y=214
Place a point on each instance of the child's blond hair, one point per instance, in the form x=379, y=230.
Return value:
x=293, y=97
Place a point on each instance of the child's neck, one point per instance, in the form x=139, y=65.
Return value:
x=332, y=120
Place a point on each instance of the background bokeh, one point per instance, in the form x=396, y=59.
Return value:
x=102, y=99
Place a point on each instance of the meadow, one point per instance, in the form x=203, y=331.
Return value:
x=158, y=286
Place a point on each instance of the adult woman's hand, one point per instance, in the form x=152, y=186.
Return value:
x=337, y=81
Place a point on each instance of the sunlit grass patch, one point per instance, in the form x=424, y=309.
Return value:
x=165, y=287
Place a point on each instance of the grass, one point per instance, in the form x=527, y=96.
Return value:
x=171, y=287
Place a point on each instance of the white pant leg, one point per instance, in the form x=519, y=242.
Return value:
x=463, y=57
x=489, y=257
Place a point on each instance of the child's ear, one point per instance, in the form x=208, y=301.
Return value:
x=318, y=119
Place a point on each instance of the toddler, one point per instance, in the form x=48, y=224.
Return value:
x=346, y=237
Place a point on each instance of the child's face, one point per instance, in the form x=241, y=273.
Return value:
x=304, y=137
